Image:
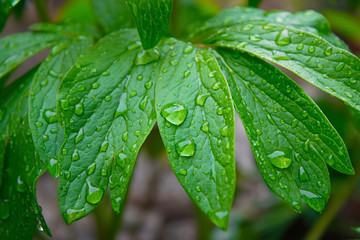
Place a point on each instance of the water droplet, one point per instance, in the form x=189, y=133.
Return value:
x=75, y=156
x=294, y=122
x=143, y=102
x=133, y=94
x=279, y=160
x=183, y=172
x=79, y=136
x=104, y=146
x=20, y=186
x=174, y=113
x=221, y=214
x=106, y=73
x=300, y=47
x=188, y=49
x=147, y=56
x=64, y=104
x=248, y=27
x=174, y=62
x=224, y=131
x=311, y=49
x=91, y=168
x=79, y=109
x=108, y=98
x=93, y=194
x=255, y=37
x=216, y=86
x=124, y=136
x=74, y=214
x=283, y=38
x=268, y=26
x=44, y=82
x=349, y=94
x=38, y=124
x=296, y=206
x=53, y=167
x=148, y=85
x=104, y=172
x=50, y=116
x=328, y=51
x=186, y=73
x=339, y=67
x=140, y=77
x=306, y=145
x=205, y=127
x=303, y=175
x=200, y=99
x=77, y=88
x=186, y=147
x=121, y=160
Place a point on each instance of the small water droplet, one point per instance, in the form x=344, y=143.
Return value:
x=216, y=85
x=108, y=98
x=79, y=109
x=174, y=113
x=279, y=160
x=140, y=77
x=328, y=51
x=104, y=146
x=248, y=27
x=186, y=73
x=188, y=49
x=294, y=122
x=20, y=186
x=143, y=102
x=124, y=136
x=300, y=47
x=224, y=131
x=303, y=175
x=77, y=88
x=186, y=147
x=148, y=85
x=91, y=168
x=311, y=49
x=339, y=67
x=205, y=127
x=75, y=156
x=183, y=172
x=79, y=136
x=174, y=62
x=44, y=82
x=255, y=37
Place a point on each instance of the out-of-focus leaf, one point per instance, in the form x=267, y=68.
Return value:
x=151, y=18
x=5, y=9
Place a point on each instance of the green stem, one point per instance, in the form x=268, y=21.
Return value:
x=331, y=211
x=204, y=226
x=41, y=8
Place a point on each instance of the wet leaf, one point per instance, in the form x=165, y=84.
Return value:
x=196, y=121
x=105, y=104
x=45, y=128
x=291, y=138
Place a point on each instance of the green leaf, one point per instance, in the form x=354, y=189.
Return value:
x=309, y=21
x=68, y=28
x=112, y=14
x=19, y=208
x=152, y=19
x=291, y=138
x=46, y=131
x=333, y=70
x=254, y=3
x=2, y=154
x=5, y=9
x=196, y=121
x=16, y=48
x=105, y=103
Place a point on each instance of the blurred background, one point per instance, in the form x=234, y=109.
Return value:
x=157, y=207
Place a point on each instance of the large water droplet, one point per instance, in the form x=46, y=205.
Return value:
x=53, y=167
x=174, y=113
x=74, y=214
x=279, y=160
x=93, y=194
x=186, y=147
x=283, y=38
x=50, y=116
x=147, y=56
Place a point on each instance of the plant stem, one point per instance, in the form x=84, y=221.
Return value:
x=331, y=211
x=41, y=7
x=204, y=226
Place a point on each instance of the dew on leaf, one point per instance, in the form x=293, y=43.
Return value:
x=174, y=113
x=328, y=51
x=303, y=175
x=183, y=172
x=93, y=194
x=91, y=168
x=107, y=98
x=75, y=156
x=311, y=49
x=205, y=127
x=200, y=99
x=79, y=109
x=20, y=185
x=79, y=136
x=147, y=56
x=104, y=146
x=53, y=167
x=143, y=102
x=121, y=160
x=77, y=88
x=339, y=67
x=148, y=85
x=283, y=38
x=186, y=147
x=224, y=131
x=279, y=160
x=74, y=214
x=216, y=86
x=50, y=116
x=255, y=37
